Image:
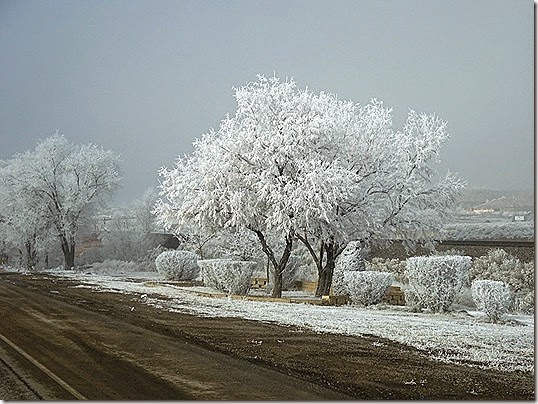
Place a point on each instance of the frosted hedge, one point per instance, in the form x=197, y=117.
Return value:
x=177, y=265
x=367, y=287
x=435, y=281
x=229, y=276
x=492, y=297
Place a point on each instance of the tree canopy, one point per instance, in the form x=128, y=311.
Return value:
x=61, y=182
x=315, y=168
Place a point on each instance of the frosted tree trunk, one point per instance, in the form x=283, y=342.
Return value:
x=325, y=278
x=278, y=265
x=68, y=249
x=325, y=262
x=31, y=253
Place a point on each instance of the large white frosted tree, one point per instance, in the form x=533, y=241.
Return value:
x=312, y=167
x=63, y=182
x=243, y=175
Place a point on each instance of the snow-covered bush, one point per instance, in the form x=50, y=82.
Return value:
x=350, y=260
x=492, y=297
x=367, y=287
x=435, y=281
x=229, y=276
x=392, y=265
x=501, y=266
x=498, y=265
x=177, y=265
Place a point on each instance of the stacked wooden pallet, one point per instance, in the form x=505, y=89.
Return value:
x=395, y=296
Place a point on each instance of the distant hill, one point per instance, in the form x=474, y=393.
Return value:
x=496, y=199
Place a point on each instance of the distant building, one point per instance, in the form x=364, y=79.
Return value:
x=522, y=217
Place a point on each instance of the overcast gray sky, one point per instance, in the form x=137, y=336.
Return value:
x=145, y=78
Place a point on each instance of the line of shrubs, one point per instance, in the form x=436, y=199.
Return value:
x=498, y=282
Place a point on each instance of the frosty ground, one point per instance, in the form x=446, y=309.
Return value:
x=461, y=337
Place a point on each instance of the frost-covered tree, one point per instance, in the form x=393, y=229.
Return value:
x=65, y=182
x=244, y=175
x=312, y=167
x=24, y=225
x=372, y=183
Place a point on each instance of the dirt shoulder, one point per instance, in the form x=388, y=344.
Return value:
x=327, y=366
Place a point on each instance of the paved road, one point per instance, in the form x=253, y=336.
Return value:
x=104, y=358
x=12, y=386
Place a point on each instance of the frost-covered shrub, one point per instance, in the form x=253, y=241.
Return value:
x=492, y=297
x=367, y=287
x=350, y=260
x=392, y=265
x=435, y=281
x=523, y=302
x=498, y=265
x=229, y=276
x=501, y=266
x=177, y=265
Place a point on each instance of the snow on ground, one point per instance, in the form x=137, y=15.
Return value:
x=456, y=337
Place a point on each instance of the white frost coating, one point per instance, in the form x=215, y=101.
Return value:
x=54, y=187
x=177, y=265
x=229, y=276
x=444, y=337
x=435, y=281
x=350, y=259
x=297, y=163
x=487, y=231
x=367, y=287
x=492, y=297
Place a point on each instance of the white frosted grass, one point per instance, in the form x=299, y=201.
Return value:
x=454, y=338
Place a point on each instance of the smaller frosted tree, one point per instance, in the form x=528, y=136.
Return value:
x=65, y=182
x=492, y=297
x=24, y=223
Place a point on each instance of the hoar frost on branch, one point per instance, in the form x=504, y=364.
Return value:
x=229, y=276
x=434, y=281
x=62, y=183
x=177, y=265
x=314, y=168
x=492, y=297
